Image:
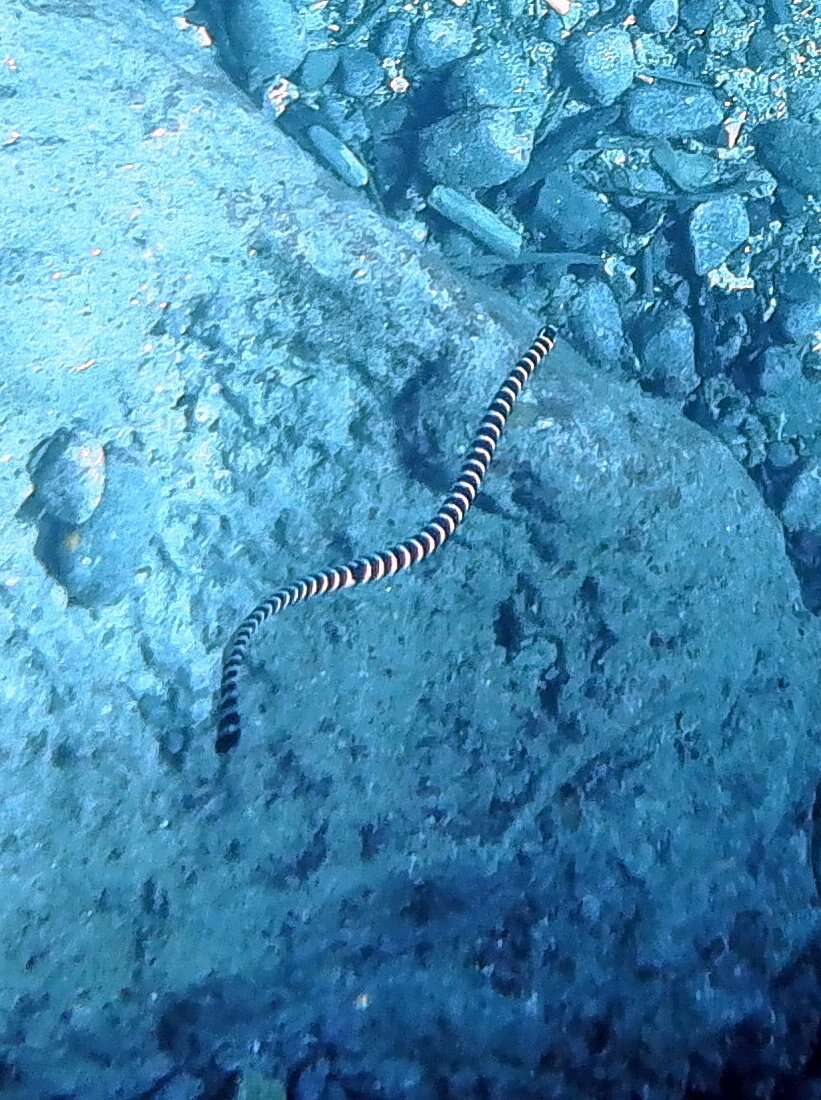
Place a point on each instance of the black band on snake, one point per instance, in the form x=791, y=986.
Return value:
x=386, y=562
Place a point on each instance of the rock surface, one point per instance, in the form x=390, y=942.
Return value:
x=540, y=808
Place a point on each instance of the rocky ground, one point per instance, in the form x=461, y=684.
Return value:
x=539, y=817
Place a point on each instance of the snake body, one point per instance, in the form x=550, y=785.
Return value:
x=386, y=562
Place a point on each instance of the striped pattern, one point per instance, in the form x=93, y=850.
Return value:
x=386, y=562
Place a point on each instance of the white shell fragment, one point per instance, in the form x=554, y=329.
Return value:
x=732, y=129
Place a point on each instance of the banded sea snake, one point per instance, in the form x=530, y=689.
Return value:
x=386, y=562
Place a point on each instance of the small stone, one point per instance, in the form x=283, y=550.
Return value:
x=317, y=69
x=689, y=171
x=697, y=15
x=717, y=228
x=604, y=64
x=777, y=367
x=762, y=48
x=791, y=150
x=386, y=120
x=572, y=215
x=667, y=350
x=359, y=73
x=656, y=110
x=638, y=179
x=477, y=220
x=798, y=315
x=597, y=325
x=393, y=36
x=805, y=99
x=96, y=562
x=789, y=402
x=802, y=508
x=781, y=454
x=338, y=156
x=801, y=321
x=69, y=476
x=658, y=16
x=440, y=39
x=492, y=78
x=267, y=36
x=256, y=1086
x=474, y=149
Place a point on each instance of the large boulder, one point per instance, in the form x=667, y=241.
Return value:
x=538, y=813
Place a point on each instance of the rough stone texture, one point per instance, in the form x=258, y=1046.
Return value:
x=802, y=508
x=660, y=16
x=496, y=78
x=267, y=37
x=655, y=110
x=439, y=40
x=798, y=315
x=717, y=228
x=573, y=215
x=537, y=811
x=604, y=64
x=476, y=148
x=791, y=149
x=667, y=346
x=595, y=322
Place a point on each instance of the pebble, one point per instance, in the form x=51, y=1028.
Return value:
x=604, y=64
x=317, y=68
x=96, y=561
x=791, y=150
x=359, y=72
x=492, y=78
x=658, y=16
x=697, y=15
x=802, y=508
x=763, y=46
x=390, y=163
x=393, y=36
x=476, y=220
x=338, y=156
x=597, y=325
x=387, y=120
x=571, y=214
x=440, y=39
x=477, y=148
x=717, y=227
x=805, y=99
x=671, y=111
x=689, y=171
x=781, y=454
x=667, y=351
x=777, y=367
x=798, y=315
x=70, y=475
x=267, y=36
